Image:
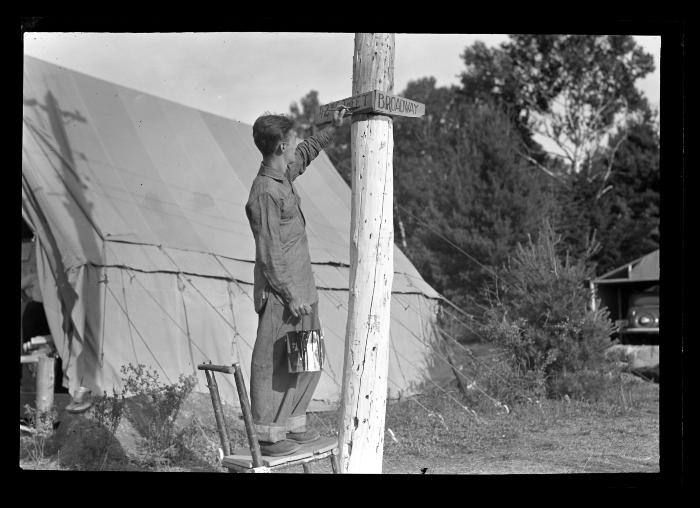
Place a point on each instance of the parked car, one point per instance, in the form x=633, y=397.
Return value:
x=642, y=323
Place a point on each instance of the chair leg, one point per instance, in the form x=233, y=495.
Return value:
x=247, y=417
x=218, y=413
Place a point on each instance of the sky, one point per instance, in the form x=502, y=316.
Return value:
x=241, y=75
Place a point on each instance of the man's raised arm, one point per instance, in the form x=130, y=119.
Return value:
x=309, y=149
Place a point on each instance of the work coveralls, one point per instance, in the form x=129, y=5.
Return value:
x=279, y=399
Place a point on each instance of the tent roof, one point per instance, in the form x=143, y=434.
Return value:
x=147, y=183
x=645, y=268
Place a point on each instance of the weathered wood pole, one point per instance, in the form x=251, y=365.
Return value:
x=45, y=383
x=365, y=370
x=218, y=413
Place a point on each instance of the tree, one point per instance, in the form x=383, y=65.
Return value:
x=304, y=116
x=576, y=95
x=473, y=170
x=415, y=146
x=541, y=318
x=625, y=220
x=636, y=180
x=573, y=91
x=459, y=176
x=490, y=77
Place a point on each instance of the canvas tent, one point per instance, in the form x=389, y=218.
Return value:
x=144, y=253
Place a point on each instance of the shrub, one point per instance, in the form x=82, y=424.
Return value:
x=540, y=315
x=199, y=441
x=159, y=405
x=106, y=412
x=41, y=424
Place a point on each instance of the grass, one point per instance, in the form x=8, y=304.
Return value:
x=618, y=432
x=553, y=436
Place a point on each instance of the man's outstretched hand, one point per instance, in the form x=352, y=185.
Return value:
x=338, y=116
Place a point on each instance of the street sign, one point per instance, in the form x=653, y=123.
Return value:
x=375, y=101
x=357, y=104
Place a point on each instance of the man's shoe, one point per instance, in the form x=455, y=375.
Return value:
x=304, y=437
x=278, y=449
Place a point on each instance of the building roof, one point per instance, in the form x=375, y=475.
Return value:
x=645, y=268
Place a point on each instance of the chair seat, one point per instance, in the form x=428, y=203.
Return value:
x=241, y=457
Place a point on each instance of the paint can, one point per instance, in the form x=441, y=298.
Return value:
x=305, y=351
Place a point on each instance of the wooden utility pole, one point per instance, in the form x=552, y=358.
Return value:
x=365, y=371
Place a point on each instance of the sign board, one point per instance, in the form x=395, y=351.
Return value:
x=375, y=101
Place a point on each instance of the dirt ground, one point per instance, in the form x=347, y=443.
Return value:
x=618, y=436
x=582, y=443
x=582, y=447
x=579, y=445
x=585, y=439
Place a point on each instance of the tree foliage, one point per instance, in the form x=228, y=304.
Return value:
x=460, y=185
x=304, y=114
x=472, y=179
x=574, y=91
x=625, y=219
x=539, y=313
x=576, y=95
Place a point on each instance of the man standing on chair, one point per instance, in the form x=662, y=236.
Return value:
x=284, y=291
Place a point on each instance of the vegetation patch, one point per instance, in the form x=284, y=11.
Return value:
x=153, y=408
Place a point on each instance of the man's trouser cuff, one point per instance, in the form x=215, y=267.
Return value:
x=270, y=432
x=273, y=432
x=296, y=423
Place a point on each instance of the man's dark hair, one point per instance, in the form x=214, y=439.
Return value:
x=269, y=130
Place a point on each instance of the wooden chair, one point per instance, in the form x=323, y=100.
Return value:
x=251, y=460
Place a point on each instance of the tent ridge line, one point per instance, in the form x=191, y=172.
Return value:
x=146, y=244
x=218, y=277
x=173, y=272
x=130, y=242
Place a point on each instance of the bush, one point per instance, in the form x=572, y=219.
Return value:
x=41, y=424
x=106, y=412
x=200, y=442
x=540, y=315
x=159, y=405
